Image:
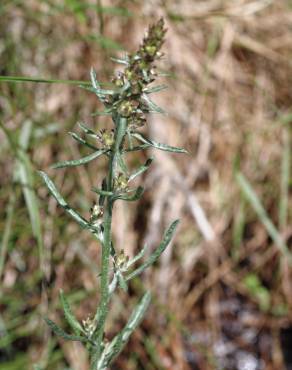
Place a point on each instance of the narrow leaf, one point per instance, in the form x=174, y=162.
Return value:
x=101, y=93
x=141, y=169
x=93, y=78
x=82, y=141
x=131, y=198
x=61, y=201
x=96, y=84
x=86, y=129
x=61, y=333
x=119, y=341
x=70, y=318
x=137, y=257
x=136, y=148
x=104, y=193
x=153, y=107
x=159, y=146
x=122, y=282
x=124, y=61
x=136, y=316
x=157, y=253
x=155, y=89
x=81, y=161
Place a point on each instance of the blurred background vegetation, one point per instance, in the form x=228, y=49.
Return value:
x=223, y=289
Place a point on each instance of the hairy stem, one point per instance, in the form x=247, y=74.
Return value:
x=102, y=310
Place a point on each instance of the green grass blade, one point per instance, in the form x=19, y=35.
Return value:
x=42, y=80
x=105, y=42
x=254, y=201
x=7, y=230
x=285, y=178
x=26, y=176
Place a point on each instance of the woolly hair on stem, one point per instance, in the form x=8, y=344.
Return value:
x=128, y=103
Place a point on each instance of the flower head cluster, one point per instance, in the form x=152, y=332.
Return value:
x=140, y=70
x=131, y=101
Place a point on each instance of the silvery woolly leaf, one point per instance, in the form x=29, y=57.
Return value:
x=151, y=105
x=80, y=161
x=157, y=253
x=82, y=141
x=70, y=318
x=61, y=201
x=93, y=78
x=101, y=93
x=131, y=198
x=86, y=129
x=119, y=341
x=154, y=89
x=124, y=61
x=137, y=257
x=61, y=333
x=156, y=145
x=102, y=192
x=136, y=148
x=122, y=282
x=141, y=169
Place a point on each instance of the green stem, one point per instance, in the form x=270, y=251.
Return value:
x=102, y=311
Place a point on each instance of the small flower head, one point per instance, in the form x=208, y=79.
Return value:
x=127, y=108
x=96, y=216
x=119, y=80
x=89, y=326
x=121, y=182
x=137, y=120
x=121, y=260
x=106, y=137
